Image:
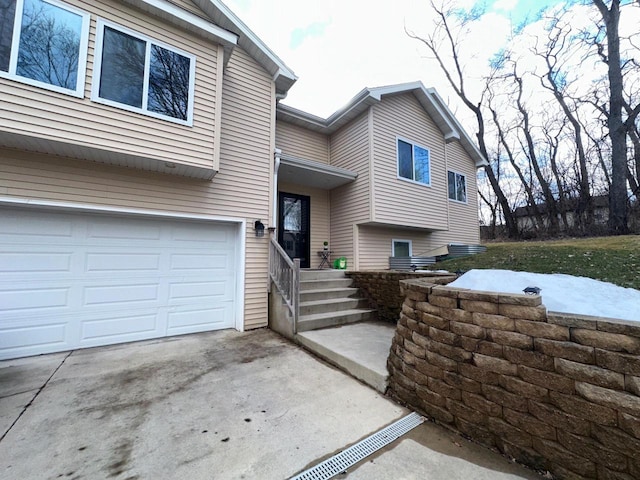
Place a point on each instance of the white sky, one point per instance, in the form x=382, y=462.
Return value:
x=560, y=293
x=338, y=47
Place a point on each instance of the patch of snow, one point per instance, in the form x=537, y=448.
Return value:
x=560, y=293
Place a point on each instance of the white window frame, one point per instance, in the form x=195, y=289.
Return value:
x=413, y=172
x=82, y=57
x=466, y=191
x=400, y=240
x=97, y=72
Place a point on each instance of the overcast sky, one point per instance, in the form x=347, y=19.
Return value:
x=338, y=47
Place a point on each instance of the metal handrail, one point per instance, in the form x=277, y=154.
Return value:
x=285, y=274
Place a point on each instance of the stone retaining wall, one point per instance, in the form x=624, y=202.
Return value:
x=382, y=289
x=557, y=392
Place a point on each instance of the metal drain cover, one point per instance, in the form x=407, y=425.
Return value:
x=361, y=450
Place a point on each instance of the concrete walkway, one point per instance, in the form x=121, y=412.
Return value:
x=360, y=349
x=221, y=405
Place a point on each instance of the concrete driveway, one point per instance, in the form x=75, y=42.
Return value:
x=220, y=405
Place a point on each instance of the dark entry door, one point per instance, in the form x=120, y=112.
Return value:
x=293, y=230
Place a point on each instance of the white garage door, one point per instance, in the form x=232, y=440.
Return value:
x=72, y=280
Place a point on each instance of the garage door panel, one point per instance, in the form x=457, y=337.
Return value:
x=106, y=262
x=115, y=229
x=186, y=292
x=130, y=294
x=201, y=320
x=199, y=233
x=121, y=328
x=34, y=262
x=22, y=225
x=70, y=280
x=201, y=262
x=51, y=336
x=26, y=300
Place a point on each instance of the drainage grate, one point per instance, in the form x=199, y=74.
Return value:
x=352, y=455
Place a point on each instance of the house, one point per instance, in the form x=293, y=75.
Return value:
x=568, y=220
x=391, y=174
x=144, y=149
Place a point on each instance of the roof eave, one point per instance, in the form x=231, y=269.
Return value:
x=282, y=75
x=187, y=20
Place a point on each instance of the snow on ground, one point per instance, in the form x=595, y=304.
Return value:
x=560, y=293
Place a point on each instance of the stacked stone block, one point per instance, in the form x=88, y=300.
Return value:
x=560, y=393
x=382, y=289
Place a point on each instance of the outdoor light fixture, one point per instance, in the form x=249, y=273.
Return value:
x=259, y=226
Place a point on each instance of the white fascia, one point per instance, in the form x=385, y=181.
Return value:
x=222, y=35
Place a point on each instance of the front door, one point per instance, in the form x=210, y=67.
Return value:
x=293, y=231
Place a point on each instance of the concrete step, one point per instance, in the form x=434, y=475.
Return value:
x=360, y=349
x=332, y=319
x=313, y=295
x=306, y=285
x=321, y=274
x=335, y=305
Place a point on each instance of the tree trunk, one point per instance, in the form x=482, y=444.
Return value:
x=618, y=207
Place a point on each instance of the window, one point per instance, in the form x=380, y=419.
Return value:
x=139, y=74
x=44, y=43
x=401, y=248
x=413, y=162
x=457, y=187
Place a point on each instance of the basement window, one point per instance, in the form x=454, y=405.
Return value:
x=401, y=248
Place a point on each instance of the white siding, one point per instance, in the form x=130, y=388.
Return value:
x=40, y=113
x=302, y=143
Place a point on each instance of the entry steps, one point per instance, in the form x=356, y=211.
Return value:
x=328, y=299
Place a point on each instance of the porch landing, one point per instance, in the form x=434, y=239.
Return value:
x=360, y=349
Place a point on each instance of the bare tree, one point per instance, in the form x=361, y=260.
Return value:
x=441, y=40
x=618, y=209
x=554, y=80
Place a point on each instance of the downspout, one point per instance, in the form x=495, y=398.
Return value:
x=276, y=166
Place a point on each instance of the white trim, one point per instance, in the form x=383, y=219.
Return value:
x=91, y=208
x=82, y=54
x=400, y=240
x=194, y=20
x=413, y=145
x=97, y=72
x=466, y=193
x=283, y=70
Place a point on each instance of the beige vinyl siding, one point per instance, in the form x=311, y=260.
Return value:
x=319, y=206
x=37, y=112
x=464, y=226
x=375, y=244
x=246, y=153
x=402, y=202
x=350, y=203
x=241, y=189
x=302, y=143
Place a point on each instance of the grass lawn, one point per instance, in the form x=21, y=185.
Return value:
x=610, y=259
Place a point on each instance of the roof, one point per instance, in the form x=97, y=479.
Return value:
x=428, y=98
x=224, y=27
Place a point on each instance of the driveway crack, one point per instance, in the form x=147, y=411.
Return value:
x=26, y=407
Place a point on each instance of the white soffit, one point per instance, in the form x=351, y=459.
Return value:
x=313, y=174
